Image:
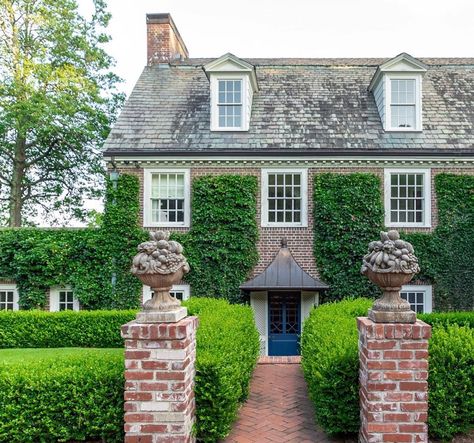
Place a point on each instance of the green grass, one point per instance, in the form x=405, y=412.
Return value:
x=28, y=355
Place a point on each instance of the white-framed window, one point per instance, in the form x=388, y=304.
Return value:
x=8, y=297
x=403, y=102
x=420, y=297
x=407, y=197
x=229, y=103
x=62, y=299
x=230, y=95
x=181, y=292
x=284, y=197
x=166, y=197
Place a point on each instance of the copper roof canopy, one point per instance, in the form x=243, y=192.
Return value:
x=283, y=273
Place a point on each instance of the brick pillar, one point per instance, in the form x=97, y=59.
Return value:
x=393, y=381
x=159, y=381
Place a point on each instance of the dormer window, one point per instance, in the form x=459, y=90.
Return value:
x=229, y=103
x=233, y=83
x=403, y=103
x=397, y=91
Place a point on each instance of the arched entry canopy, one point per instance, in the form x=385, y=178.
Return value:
x=284, y=273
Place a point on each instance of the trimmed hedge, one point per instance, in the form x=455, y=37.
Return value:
x=329, y=347
x=330, y=361
x=75, y=397
x=40, y=329
x=227, y=351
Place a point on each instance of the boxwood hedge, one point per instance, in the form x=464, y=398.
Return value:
x=227, y=351
x=330, y=365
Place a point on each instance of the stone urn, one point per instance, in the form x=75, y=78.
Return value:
x=160, y=264
x=390, y=264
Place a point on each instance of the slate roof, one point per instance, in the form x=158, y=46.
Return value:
x=303, y=106
x=283, y=273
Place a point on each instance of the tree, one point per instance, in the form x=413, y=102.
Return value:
x=58, y=98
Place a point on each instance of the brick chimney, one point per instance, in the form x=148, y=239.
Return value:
x=164, y=44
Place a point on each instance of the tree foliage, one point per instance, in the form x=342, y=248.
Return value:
x=57, y=101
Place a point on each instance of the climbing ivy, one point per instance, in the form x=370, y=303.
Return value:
x=87, y=259
x=221, y=244
x=348, y=214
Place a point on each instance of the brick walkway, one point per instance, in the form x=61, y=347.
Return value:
x=278, y=409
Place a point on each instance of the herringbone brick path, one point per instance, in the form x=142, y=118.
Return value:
x=278, y=409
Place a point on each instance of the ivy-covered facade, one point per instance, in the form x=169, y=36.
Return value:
x=276, y=173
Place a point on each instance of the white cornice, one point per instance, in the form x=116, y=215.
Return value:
x=319, y=162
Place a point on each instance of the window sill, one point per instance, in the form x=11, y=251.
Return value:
x=166, y=225
x=407, y=225
x=284, y=225
x=402, y=130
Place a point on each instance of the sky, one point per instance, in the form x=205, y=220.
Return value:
x=298, y=28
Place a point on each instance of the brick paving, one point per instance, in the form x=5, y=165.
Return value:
x=278, y=409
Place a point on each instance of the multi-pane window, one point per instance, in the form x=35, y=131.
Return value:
x=419, y=297
x=284, y=197
x=7, y=300
x=66, y=300
x=229, y=103
x=403, y=103
x=407, y=197
x=178, y=295
x=167, y=197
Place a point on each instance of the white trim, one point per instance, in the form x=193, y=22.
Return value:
x=214, y=85
x=14, y=288
x=186, y=289
x=292, y=161
x=304, y=198
x=388, y=101
x=54, y=298
x=147, y=177
x=427, y=196
x=428, y=297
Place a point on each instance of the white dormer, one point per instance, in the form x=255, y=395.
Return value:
x=232, y=83
x=397, y=88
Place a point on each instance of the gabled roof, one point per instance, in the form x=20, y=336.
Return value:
x=401, y=63
x=230, y=63
x=311, y=106
x=283, y=273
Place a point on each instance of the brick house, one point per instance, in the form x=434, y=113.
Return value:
x=283, y=121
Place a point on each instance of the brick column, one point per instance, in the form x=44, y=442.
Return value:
x=393, y=381
x=159, y=381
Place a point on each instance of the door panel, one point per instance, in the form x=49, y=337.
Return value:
x=284, y=323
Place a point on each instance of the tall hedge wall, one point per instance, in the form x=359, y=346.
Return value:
x=94, y=261
x=221, y=245
x=348, y=214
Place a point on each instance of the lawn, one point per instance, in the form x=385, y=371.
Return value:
x=27, y=355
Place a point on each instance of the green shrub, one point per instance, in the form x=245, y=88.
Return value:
x=227, y=351
x=331, y=365
x=40, y=329
x=74, y=397
x=451, y=381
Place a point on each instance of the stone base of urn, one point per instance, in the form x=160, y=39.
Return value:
x=393, y=381
x=159, y=379
x=392, y=317
x=162, y=316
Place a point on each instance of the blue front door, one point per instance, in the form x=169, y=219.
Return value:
x=284, y=323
